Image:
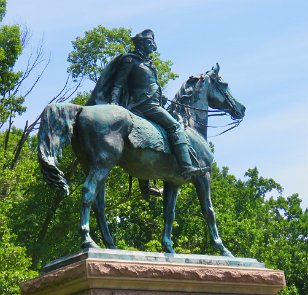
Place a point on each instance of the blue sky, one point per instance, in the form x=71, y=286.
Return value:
x=262, y=48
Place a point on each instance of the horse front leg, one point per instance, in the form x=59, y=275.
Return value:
x=202, y=184
x=99, y=209
x=170, y=195
x=89, y=192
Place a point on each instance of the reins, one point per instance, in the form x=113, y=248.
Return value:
x=196, y=109
x=235, y=124
x=232, y=124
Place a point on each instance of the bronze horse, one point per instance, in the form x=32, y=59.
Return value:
x=101, y=137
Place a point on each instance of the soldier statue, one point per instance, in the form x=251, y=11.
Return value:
x=130, y=80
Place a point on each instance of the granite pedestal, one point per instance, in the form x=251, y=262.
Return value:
x=119, y=272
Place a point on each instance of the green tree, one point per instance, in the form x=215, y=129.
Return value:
x=2, y=9
x=15, y=262
x=12, y=95
x=16, y=165
x=92, y=52
x=253, y=222
x=10, y=50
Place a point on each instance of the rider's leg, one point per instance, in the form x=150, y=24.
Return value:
x=176, y=136
x=181, y=151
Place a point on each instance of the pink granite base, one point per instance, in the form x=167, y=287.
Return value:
x=102, y=277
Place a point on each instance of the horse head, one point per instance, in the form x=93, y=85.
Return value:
x=220, y=97
x=200, y=92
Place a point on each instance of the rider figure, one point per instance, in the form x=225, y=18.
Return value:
x=139, y=74
x=135, y=81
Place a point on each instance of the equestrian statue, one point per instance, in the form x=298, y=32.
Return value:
x=124, y=123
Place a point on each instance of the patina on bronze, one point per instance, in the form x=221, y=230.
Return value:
x=109, y=131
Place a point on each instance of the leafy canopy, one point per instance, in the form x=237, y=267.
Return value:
x=2, y=9
x=10, y=50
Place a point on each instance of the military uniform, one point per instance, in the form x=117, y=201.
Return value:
x=137, y=75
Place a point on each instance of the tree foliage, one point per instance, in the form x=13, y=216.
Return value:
x=93, y=51
x=16, y=160
x=14, y=262
x=2, y=9
x=10, y=50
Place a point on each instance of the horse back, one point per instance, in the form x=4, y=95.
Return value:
x=99, y=135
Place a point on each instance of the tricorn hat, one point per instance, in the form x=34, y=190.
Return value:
x=146, y=34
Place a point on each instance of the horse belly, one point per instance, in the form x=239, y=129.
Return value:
x=150, y=164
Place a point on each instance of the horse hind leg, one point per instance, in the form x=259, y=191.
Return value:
x=202, y=184
x=99, y=209
x=89, y=192
x=170, y=196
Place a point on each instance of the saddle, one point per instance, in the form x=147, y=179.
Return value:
x=149, y=135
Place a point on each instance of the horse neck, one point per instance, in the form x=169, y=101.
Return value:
x=199, y=119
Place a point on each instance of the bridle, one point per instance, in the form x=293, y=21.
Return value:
x=198, y=109
x=211, y=113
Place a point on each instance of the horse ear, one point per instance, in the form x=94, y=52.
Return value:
x=216, y=68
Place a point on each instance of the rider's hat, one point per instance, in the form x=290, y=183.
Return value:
x=146, y=34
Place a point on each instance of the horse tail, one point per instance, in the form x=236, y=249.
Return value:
x=55, y=132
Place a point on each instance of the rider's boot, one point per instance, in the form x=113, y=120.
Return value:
x=183, y=158
x=147, y=190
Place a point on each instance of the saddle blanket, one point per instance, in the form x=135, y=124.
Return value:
x=148, y=135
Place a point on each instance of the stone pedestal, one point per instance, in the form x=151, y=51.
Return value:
x=116, y=272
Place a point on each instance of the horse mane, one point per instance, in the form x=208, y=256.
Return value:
x=186, y=93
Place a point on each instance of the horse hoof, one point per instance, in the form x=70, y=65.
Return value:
x=168, y=248
x=226, y=253
x=89, y=244
x=170, y=251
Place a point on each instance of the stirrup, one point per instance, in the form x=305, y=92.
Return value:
x=192, y=171
x=151, y=191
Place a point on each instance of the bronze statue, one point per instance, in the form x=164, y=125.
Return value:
x=114, y=129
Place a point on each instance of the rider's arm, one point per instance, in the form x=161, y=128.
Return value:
x=120, y=80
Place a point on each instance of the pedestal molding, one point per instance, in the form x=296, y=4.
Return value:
x=159, y=277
